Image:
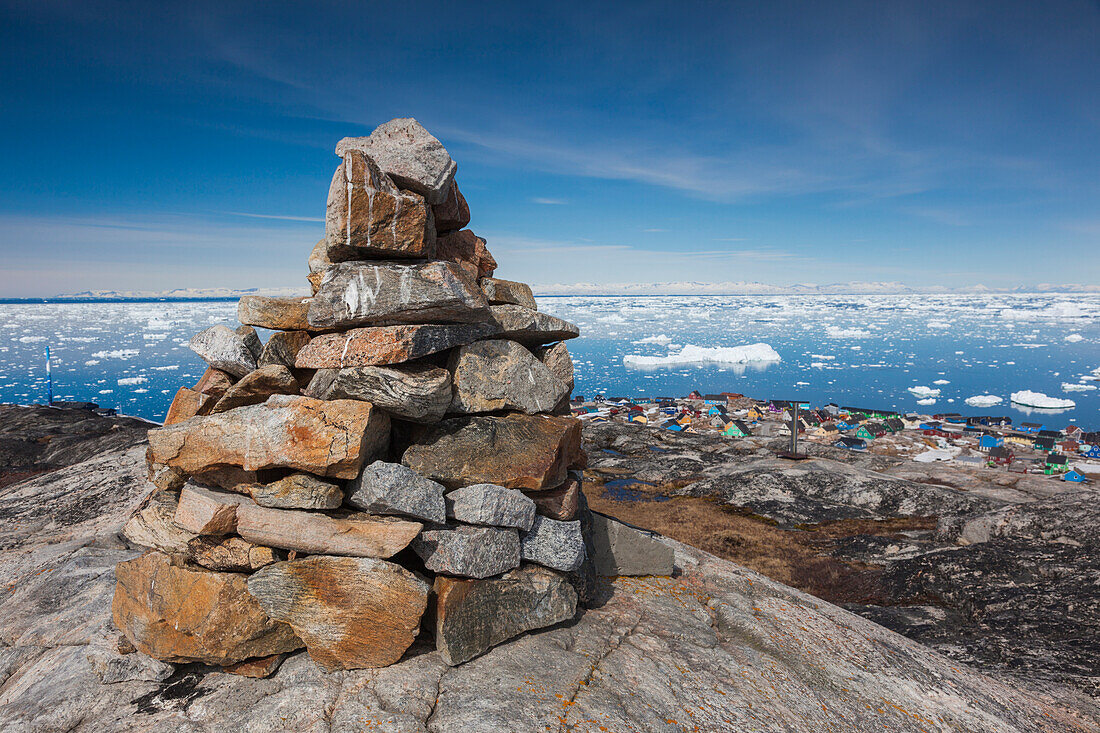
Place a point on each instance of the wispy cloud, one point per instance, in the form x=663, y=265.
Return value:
x=274, y=216
x=548, y=202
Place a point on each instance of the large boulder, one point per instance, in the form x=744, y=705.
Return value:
x=504, y=292
x=231, y=554
x=366, y=213
x=409, y=155
x=561, y=503
x=255, y=387
x=453, y=213
x=468, y=251
x=275, y=313
x=330, y=438
x=531, y=327
x=492, y=505
x=619, y=549
x=499, y=374
x=557, y=359
x=417, y=392
x=472, y=616
x=387, y=344
x=350, y=612
x=345, y=533
x=187, y=403
x=558, y=545
x=359, y=294
x=515, y=451
x=180, y=614
x=390, y=488
x=472, y=552
x=298, y=491
x=223, y=348
x=282, y=348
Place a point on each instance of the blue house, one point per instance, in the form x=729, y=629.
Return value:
x=851, y=443
x=1073, y=475
x=990, y=441
x=1092, y=452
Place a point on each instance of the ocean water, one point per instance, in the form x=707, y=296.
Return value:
x=873, y=351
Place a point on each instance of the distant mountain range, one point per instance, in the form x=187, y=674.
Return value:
x=667, y=288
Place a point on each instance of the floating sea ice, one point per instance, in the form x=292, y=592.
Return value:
x=692, y=354
x=662, y=339
x=939, y=324
x=132, y=380
x=1074, y=338
x=837, y=332
x=984, y=400
x=1071, y=387
x=31, y=339
x=929, y=401
x=941, y=381
x=1038, y=399
x=924, y=392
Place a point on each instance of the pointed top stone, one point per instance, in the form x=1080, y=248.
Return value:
x=410, y=155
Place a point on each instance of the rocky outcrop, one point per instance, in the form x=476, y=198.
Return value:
x=499, y=374
x=384, y=345
x=531, y=327
x=277, y=314
x=409, y=155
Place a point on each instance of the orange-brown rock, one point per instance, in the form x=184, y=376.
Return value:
x=561, y=503
x=469, y=251
x=351, y=613
x=453, y=213
x=256, y=386
x=277, y=314
x=345, y=533
x=516, y=451
x=214, y=382
x=367, y=211
x=327, y=438
x=188, y=403
x=231, y=554
x=282, y=348
x=205, y=511
x=256, y=668
x=386, y=344
x=183, y=614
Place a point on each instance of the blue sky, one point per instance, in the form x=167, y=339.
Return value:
x=160, y=145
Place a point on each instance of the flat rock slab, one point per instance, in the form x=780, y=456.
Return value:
x=367, y=214
x=554, y=544
x=274, y=313
x=508, y=292
x=256, y=386
x=619, y=549
x=223, y=348
x=472, y=616
x=531, y=327
x=387, y=344
x=298, y=491
x=409, y=155
x=500, y=374
x=327, y=438
x=351, y=613
x=178, y=614
x=189, y=402
x=360, y=294
x=468, y=251
x=472, y=552
x=491, y=505
x=415, y=392
x=207, y=511
x=152, y=524
x=390, y=488
x=349, y=533
x=515, y=451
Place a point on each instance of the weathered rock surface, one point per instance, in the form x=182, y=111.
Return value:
x=251, y=340
x=467, y=250
x=560, y=503
x=188, y=403
x=206, y=511
x=231, y=554
x=275, y=313
x=619, y=549
x=390, y=488
x=386, y=344
x=367, y=214
x=222, y=348
x=360, y=294
x=557, y=359
x=557, y=545
x=415, y=392
x=515, y=451
x=491, y=505
x=503, y=292
x=350, y=612
x=282, y=348
x=410, y=155
x=297, y=491
x=255, y=387
x=473, y=552
x=181, y=614
x=531, y=327
x=453, y=213
x=654, y=649
x=214, y=382
x=153, y=525
x=348, y=533
x=500, y=374
x=328, y=438
x=111, y=667
x=472, y=616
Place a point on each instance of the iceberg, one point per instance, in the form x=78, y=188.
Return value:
x=1071, y=387
x=846, y=333
x=983, y=400
x=924, y=392
x=692, y=354
x=1027, y=398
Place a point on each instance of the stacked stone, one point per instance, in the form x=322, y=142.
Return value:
x=402, y=439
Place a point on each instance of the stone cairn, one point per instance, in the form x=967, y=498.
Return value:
x=402, y=440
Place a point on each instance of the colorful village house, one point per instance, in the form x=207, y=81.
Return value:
x=1001, y=456
x=737, y=429
x=1074, y=476
x=987, y=442
x=1056, y=463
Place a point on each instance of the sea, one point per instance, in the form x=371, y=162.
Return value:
x=905, y=352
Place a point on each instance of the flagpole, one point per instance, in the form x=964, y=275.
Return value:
x=49, y=379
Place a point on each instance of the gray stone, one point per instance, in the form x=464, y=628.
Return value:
x=298, y=491
x=504, y=292
x=557, y=359
x=390, y=488
x=111, y=666
x=492, y=505
x=416, y=392
x=473, y=552
x=619, y=549
x=151, y=525
x=359, y=294
x=282, y=348
x=274, y=313
x=222, y=348
x=500, y=374
x=472, y=616
x=557, y=545
x=409, y=154
x=251, y=340
x=531, y=327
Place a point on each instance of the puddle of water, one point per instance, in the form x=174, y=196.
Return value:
x=624, y=489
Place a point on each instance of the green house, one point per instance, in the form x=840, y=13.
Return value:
x=864, y=433
x=736, y=429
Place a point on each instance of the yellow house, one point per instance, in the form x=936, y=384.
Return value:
x=640, y=419
x=755, y=414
